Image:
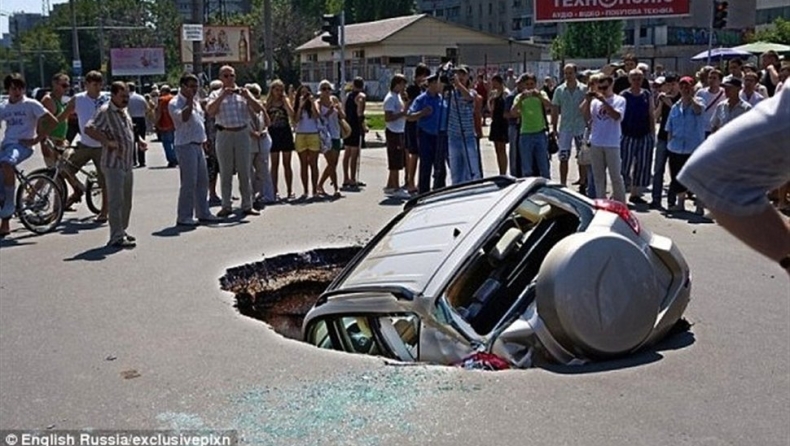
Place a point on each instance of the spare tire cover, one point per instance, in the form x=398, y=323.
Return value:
x=597, y=294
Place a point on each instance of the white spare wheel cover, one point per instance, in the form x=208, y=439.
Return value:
x=597, y=294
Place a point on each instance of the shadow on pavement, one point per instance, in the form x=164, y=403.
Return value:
x=7, y=242
x=688, y=217
x=173, y=231
x=392, y=201
x=95, y=254
x=679, y=337
x=76, y=225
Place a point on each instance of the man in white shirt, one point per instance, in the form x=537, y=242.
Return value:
x=711, y=97
x=605, y=110
x=138, y=107
x=749, y=93
x=85, y=105
x=23, y=118
x=733, y=107
x=190, y=143
x=395, y=121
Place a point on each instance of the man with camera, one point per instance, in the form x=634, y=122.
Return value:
x=462, y=143
x=531, y=105
x=428, y=110
x=232, y=107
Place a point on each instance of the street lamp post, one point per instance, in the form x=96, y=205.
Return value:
x=76, y=63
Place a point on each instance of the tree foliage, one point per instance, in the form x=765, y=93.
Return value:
x=589, y=40
x=778, y=32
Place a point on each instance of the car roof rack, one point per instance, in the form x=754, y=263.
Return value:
x=400, y=292
x=500, y=181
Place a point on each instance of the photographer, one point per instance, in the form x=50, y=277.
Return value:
x=462, y=143
x=231, y=107
x=531, y=105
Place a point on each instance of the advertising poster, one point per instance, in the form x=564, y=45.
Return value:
x=221, y=44
x=579, y=10
x=137, y=61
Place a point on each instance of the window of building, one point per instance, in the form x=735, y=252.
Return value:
x=526, y=22
x=439, y=13
x=516, y=24
x=490, y=8
x=516, y=3
x=502, y=7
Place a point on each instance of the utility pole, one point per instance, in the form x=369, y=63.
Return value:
x=268, y=39
x=102, y=63
x=76, y=62
x=343, y=48
x=197, y=46
x=710, y=31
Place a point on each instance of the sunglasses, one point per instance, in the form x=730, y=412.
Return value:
x=604, y=86
x=228, y=75
x=326, y=89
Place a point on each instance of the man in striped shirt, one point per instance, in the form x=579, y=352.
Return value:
x=112, y=127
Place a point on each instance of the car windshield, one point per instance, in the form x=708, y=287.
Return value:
x=508, y=260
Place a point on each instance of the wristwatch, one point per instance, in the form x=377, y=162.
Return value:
x=785, y=262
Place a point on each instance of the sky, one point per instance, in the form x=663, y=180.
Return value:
x=10, y=6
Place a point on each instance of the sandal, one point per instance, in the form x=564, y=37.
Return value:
x=72, y=200
x=100, y=220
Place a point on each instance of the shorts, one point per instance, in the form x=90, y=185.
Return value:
x=396, y=156
x=14, y=153
x=565, y=139
x=307, y=141
x=337, y=144
x=355, y=138
x=412, y=138
x=80, y=157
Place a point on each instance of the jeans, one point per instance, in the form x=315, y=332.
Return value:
x=464, y=158
x=534, y=152
x=261, y=175
x=119, y=200
x=659, y=171
x=433, y=160
x=514, y=164
x=139, y=132
x=168, y=138
x=603, y=159
x=193, y=193
x=233, y=154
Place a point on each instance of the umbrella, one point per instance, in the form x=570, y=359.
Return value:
x=722, y=53
x=761, y=47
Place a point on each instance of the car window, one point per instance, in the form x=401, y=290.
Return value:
x=394, y=336
x=402, y=335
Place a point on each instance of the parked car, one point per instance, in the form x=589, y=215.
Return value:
x=519, y=269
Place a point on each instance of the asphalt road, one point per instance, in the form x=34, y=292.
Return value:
x=144, y=339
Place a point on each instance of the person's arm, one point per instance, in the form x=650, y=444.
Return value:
x=94, y=129
x=697, y=106
x=68, y=110
x=773, y=73
x=586, y=106
x=254, y=104
x=213, y=103
x=417, y=110
x=767, y=232
x=339, y=107
x=715, y=121
x=651, y=112
x=464, y=92
x=392, y=115
x=158, y=111
x=515, y=109
x=614, y=112
x=289, y=109
x=185, y=112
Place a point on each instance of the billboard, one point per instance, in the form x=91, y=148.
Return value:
x=137, y=61
x=582, y=10
x=220, y=44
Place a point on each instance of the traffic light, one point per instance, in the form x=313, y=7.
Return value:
x=720, y=14
x=330, y=26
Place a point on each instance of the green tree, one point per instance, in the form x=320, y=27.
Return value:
x=41, y=53
x=778, y=32
x=589, y=40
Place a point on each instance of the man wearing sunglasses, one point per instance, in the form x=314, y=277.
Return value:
x=231, y=107
x=605, y=111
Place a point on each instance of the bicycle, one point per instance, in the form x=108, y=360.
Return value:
x=39, y=203
x=90, y=185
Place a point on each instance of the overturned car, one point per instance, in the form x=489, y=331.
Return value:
x=519, y=269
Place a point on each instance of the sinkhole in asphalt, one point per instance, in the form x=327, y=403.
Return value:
x=281, y=290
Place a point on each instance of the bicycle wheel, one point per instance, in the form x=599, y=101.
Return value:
x=51, y=172
x=39, y=204
x=93, y=195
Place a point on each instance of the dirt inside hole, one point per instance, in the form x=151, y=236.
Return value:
x=281, y=290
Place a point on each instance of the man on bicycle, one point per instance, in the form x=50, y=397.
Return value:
x=85, y=105
x=53, y=102
x=23, y=118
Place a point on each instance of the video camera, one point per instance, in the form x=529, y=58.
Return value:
x=446, y=73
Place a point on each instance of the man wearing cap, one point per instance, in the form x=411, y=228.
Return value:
x=429, y=110
x=461, y=142
x=733, y=107
x=668, y=96
x=686, y=131
x=510, y=80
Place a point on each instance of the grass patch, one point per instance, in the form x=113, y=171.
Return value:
x=375, y=121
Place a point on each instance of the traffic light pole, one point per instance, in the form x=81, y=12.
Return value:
x=710, y=31
x=342, y=50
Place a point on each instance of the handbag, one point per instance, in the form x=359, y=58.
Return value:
x=345, y=128
x=554, y=145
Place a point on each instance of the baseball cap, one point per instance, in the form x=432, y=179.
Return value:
x=432, y=78
x=660, y=80
x=687, y=80
x=733, y=82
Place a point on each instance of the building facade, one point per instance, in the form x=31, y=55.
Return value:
x=215, y=8
x=19, y=23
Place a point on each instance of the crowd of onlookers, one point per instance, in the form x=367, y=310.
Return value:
x=624, y=125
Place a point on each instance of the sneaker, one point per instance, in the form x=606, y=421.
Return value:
x=699, y=210
x=130, y=237
x=122, y=243
x=636, y=199
x=209, y=220
x=214, y=201
x=187, y=223
x=654, y=205
x=402, y=194
x=224, y=212
x=389, y=190
x=680, y=207
x=251, y=212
